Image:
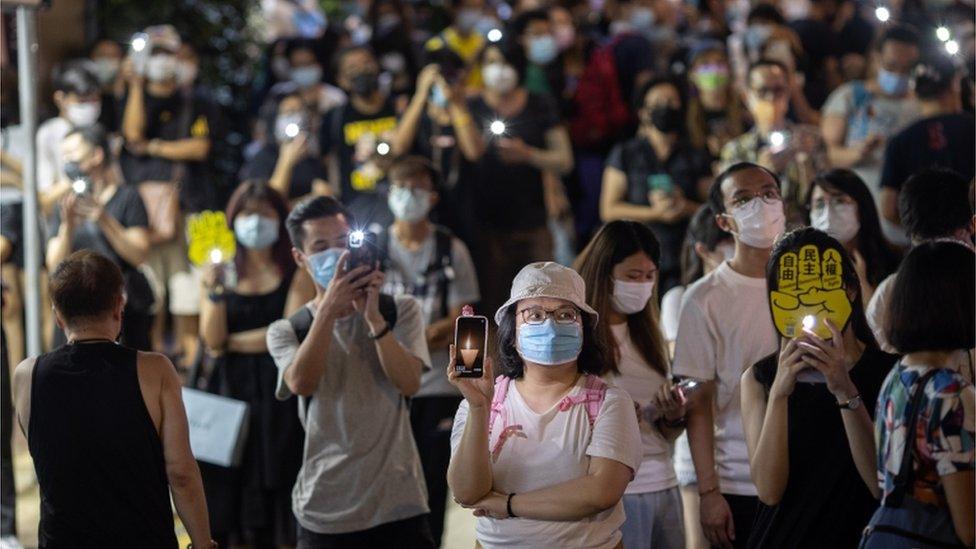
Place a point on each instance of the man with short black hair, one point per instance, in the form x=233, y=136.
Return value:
x=106, y=426
x=354, y=355
x=934, y=204
x=716, y=346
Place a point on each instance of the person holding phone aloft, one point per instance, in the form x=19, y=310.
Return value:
x=657, y=177
x=620, y=269
x=806, y=411
x=543, y=455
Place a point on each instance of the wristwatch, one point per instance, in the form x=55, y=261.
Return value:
x=853, y=404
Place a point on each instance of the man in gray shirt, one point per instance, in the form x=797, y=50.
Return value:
x=361, y=483
x=425, y=260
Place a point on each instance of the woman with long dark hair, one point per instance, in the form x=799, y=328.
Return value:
x=806, y=410
x=251, y=503
x=548, y=442
x=619, y=267
x=841, y=205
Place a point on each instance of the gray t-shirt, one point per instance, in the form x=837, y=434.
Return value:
x=410, y=272
x=361, y=468
x=870, y=114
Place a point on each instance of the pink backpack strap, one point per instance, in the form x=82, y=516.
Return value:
x=592, y=396
x=498, y=409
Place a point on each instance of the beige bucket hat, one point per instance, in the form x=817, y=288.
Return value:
x=548, y=279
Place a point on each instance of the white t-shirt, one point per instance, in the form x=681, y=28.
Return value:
x=49, y=163
x=642, y=382
x=551, y=448
x=725, y=328
x=670, y=311
x=877, y=313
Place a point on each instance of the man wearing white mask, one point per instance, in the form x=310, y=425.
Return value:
x=167, y=137
x=76, y=94
x=724, y=328
x=106, y=61
x=425, y=260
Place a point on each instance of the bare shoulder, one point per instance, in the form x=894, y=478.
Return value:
x=22, y=374
x=156, y=366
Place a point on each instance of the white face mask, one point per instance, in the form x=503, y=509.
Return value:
x=83, y=114
x=186, y=73
x=161, y=67
x=631, y=297
x=407, y=205
x=105, y=70
x=500, y=77
x=839, y=221
x=759, y=223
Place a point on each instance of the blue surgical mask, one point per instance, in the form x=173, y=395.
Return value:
x=550, y=344
x=256, y=231
x=306, y=77
x=407, y=205
x=892, y=83
x=642, y=18
x=323, y=265
x=542, y=50
x=438, y=97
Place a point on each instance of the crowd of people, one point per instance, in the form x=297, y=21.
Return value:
x=635, y=193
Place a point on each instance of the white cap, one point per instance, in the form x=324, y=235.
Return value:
x=548, y=279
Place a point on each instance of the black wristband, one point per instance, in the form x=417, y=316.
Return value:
x=676, y=424
x=383, y=332
x=508, y=506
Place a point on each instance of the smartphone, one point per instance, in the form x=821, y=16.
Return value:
x=660, y=182
x=362, y=249
x=688, y=385
x=470, y=345
x=140, y=48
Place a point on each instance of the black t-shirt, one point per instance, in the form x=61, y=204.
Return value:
x=632, y=54
x=305, y=171
x=946, y=140
x=820, y=43
x=510, y=197
x=126, y=207
x=353, y=137
x=644, y=171
x=165, y=119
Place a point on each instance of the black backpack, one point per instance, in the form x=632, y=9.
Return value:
x=441, y=261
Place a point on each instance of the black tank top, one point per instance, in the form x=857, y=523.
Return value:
x=98, y=457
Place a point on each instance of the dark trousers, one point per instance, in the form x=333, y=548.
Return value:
x=411, y=533
x=8, y=493
x=432, y=419
x=744, y=510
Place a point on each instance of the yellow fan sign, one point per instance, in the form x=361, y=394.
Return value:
x=811, y=290
x=210, y=239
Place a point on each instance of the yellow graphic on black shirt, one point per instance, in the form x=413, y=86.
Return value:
x=811, y=290
x=365, y=136
x=200, y=127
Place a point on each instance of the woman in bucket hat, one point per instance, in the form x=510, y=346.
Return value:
x=544, y=453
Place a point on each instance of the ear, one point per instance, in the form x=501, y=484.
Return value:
x=120, y=306
x=701, y=251
x=59, y=98
x=725, y=222
x=299, y=258
x=434, y=199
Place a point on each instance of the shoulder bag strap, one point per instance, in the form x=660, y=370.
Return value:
x=906, y=473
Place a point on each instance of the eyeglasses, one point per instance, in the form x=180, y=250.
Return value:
x=538, y=315
x=833, y=202
x=769, y=196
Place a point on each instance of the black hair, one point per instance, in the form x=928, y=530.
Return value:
x=76, y=78
x=934, y=203
x=881, y=259
x=297, y=44
x=95, y=135
x=313, y=208
x=766, y=13
x=899, y=32
x=518, y=26
x=798, y=238
x=449, y=62
x=591, y=359
x=933, y=77
x=715, y=199
x=702, y=229
x=411, y=165
x=765, y=62
x=638, y=99
x=932, y=299
x=343, y=53
x=511, y=50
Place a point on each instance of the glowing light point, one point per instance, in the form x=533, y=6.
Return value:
x=216, y=256
x=383, y=149
x=882, y=14
x=494, y=35
x=777, y=139
x=943, y=34
x=291, y=130
x=356, y=238
x=139, y=43
x=497, y=127
x=809, y=321
x=952, y=47
x=79, y=186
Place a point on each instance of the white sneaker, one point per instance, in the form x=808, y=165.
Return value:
x=10, y=542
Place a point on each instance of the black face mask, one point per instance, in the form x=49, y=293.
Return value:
x=73, y=171
x=365, y=84
x=667, y=119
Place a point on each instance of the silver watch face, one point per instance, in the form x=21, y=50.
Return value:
x=854, y=403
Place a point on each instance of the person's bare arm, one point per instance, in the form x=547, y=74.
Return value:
x=469, y=472
x=289, y=154
x=889, y=204
x=213, y=314
x=401, y=368
x=406, y=130
x=612, y=203
x=716, y=515
x=134, y=115
x=49, y=197
x=959, y=495
x=21, y=388
x=469, y=139
x=557, y=156
x=182, y=471
x=131, y=243
x=6, y=249
x=248, y=342
x=600, y=489
x=192, y=149
x=765, y=424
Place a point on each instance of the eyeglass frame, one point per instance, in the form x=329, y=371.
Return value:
x=550, y=314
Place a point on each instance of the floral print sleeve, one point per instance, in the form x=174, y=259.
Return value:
x=949, y=437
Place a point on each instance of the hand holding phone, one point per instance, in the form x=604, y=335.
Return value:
x=362, y=249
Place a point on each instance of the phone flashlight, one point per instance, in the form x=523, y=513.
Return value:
x=383, y=148
x=356, y=239
x=952, y=47
x=882, y=14
x=688, y=384
x=497, y=127
x=494, y=35
x=291, y=130
x=777, y=139
x=943, y=34
x=216, y=256
x=79, y=186
x=809, y=322
x=139, y=42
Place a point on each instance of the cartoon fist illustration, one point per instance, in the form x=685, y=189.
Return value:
x=811, y=290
